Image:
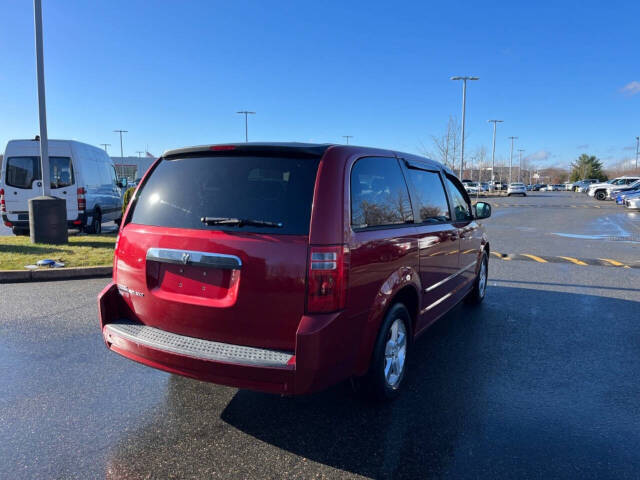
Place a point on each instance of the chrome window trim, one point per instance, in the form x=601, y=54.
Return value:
x=192, y=257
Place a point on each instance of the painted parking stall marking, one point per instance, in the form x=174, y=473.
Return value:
x=583, y=262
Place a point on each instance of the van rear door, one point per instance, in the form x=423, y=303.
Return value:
x=216, y=247
x=23, y=180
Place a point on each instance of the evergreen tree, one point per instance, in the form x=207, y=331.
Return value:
x=586, y=166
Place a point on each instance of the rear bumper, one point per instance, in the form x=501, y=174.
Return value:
x=319, y=359
x=24, y=224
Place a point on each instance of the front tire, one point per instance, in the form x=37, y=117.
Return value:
x=390, y=353
x=601, y=195
x=477, y=293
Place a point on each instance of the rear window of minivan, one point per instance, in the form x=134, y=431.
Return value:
x=179, y=192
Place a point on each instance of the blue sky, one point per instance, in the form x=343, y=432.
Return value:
x=174, y=73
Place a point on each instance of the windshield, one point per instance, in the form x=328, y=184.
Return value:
x=271, y=195
x=21, y=172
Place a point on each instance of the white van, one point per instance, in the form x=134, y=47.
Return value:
x=82, y=174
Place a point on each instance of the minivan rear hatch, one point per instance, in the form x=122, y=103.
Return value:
x=216, y=245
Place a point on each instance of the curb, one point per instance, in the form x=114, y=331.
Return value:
x=16, y=276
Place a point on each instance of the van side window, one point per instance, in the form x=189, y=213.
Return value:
x=428, y=196
x=61, y=172
x=461, y=208
x=379, y=194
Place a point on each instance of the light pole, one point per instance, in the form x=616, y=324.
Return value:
x=520, y=150
x=47, y=214
x=464, y=102
x=105, y=145
x=511, y=156
x=493, y=151
x=246, y=114
x=121, y=132
x=637, y=148
x=139, y=153
x=347, y=137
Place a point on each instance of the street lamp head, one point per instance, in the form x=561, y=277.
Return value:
x=495, y=121
x=458, y=77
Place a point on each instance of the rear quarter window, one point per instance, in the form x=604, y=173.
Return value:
x=180, y=192
x=379, y=195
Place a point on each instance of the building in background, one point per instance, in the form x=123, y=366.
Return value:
x=132, y=168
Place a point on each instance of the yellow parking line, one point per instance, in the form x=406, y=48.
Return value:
x=496, y=254
x=596, y=206
x=574, y=206
x=615, y=263
x=469, y=251
x=573, y=260
x=452, y=252
x=534, y=257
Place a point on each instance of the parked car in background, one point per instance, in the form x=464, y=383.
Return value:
x=472, y=188
x=600, y=191
x=81, y=174
x=516, y=188
x=632, y=203
x=287, y=268
x=581, y=185
x=622, y=196
x=613, y=191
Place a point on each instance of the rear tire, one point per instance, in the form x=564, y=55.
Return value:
x=95, y=227
x=20, y=232
x=477, y=293
x=389, y=358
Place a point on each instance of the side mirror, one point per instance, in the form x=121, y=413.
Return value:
x=482, y=210
x=122, y=183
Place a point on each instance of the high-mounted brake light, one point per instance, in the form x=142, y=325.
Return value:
x=3, y=205
x=82, y=201
x=218, y=148
x=328, y=278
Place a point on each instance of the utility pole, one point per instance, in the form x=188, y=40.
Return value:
x=139, y=153
x=121, y=132
x=520, y=150
x=105, y=145
x=246, y=114
x=464, y=103
x=347, y=137
x=511, y=156
x=493, y=151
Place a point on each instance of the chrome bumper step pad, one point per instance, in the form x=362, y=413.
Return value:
x=194, y=347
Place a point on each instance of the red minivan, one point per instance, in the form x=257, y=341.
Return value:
x=287, y=267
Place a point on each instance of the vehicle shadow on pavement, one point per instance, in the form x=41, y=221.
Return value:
x=529, y=384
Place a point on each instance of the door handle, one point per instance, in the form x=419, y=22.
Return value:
x=64, y=192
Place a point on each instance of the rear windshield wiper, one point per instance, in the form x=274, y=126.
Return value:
x=239, y=222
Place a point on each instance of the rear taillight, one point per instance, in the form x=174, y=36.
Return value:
x=82, y=200
x=3, y=206
x=328, y=278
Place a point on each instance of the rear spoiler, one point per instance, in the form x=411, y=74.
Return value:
x=300, y=150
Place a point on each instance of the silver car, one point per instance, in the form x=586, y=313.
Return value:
x=516, y=189
x=632, y=203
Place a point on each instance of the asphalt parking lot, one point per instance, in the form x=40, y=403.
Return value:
x=541, y=381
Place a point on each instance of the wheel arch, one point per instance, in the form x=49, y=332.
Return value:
x=402, y=286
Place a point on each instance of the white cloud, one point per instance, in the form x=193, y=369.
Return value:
x=539, y=156
x=631, y=88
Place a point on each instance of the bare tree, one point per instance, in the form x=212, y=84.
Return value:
x=446, y=147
